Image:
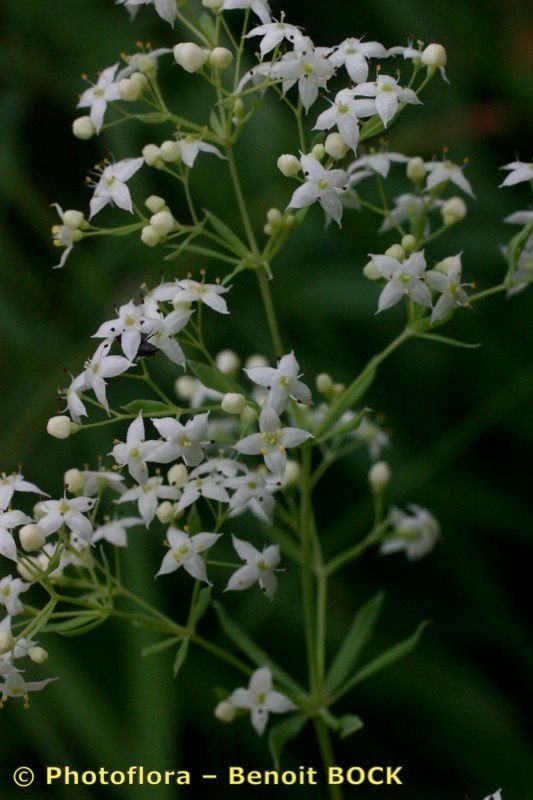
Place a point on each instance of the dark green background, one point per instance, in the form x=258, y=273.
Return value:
x=455, y=713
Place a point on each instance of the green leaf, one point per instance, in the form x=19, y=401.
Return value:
x=151, y=407
x=71, y=624
x=385, y=659
x=434, y=337
x=229, y=236
x=202, y=604
x=212, y=378
x=153, y=117
x=194, y=521
x=258, y=656
x=282, y=733
x=181, y=655
x=82, y=628
x=349, y=724
x=216, y=125
x=346, y=427
x=208, y=26
x=158, y=647
x=356, y=638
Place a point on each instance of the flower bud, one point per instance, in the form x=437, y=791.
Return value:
x=220, y=58
x=454, y=210
x=324, y=383
x=190, y=57
x=379, y=476
x=170, y=151
x=61, y=427
x=83, y=128
x=248, y=415
x=129, y=89
x=228, y=362
x=73, y=219
x=396, y=251
x=289, y=221
x=318, y=152
x=74, y=481
x=268, y=229
x=165, y=512
x=434, y=56
x=37, y=564
x=155, y=204
x=292, y=473
x=152, y=155
x=233, y=403
x=141, y=79
x=371, y=272
x=256, y=360
x=38, y=655
x=178, y=475
x=335, y=146
x=162, y=222
x=289, y=165
x=416, y=169
x=150, y=236
x=338, y=388
x=408, y=244
x=225, y=711
x=185, y=387
x=274, y=216
x=146, y=64
x=7, y=642
x=31, y=537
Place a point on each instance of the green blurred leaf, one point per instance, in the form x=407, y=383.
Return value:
x=229, y=236
x=181, y=655
x=212, y=378
x=155, y=407
x=202, y=604
x=194, y=521
x=153, y=117
x=282, y=733
x=158, y=647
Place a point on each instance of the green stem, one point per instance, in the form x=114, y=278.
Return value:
x=328, y=756
x=270, y=311
x=308, y=592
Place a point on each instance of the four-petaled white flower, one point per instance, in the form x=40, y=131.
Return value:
x=306, y=65
x=283, y=381
x=131, y=322
x=253, y=492
x=323, y=185
x=344, y=113
x=259, y=567
x=416, y=533
x=181, y=441
x=63, y=236
x=377, y=162
x=273, y=33
x=369, y=433
x=261, y=700
x=388, y=95
x=8, y=521
x=163, y=337
x=95, y=481
x=404, y=278
x=10, y=588
x=112, y=188
x=16, y=686
x=353, y=54
x=102, y=366
x=259, y=7
x=189, y=291
x=75, y=405
x=9, y=484
x=146, y=497
x=190, y=147
x=98, y=96
x=166, y=9
x=135, y=451
x=518, y=171
x=448, y=284
x=115, y=531
x=444, y=171
x=209, y=486
x=69, y=512
x=186, y=552
x=272, y=441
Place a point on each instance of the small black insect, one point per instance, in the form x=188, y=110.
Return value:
x=146, y=349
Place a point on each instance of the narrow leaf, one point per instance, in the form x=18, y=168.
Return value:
x=202, y=604
x=356, y=638
x=282, y=733
x=225, y=232
x=434, y=337
x=181, y=655
x=194, y=521
x=349, y=724
x=71, y=624
x=150, y=407
x=153, y=117
x=158, y=647
x=212, y=378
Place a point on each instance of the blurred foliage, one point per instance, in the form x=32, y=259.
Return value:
x=454, y=713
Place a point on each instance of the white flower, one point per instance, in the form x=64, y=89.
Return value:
x=377, y=162
x=145, y=62
x=496, y=796
x=131, y=322
x=69, y=512
x=181, y=441
x=519, y=171
x=190, y=147
x=165, y=8
x=344, y=113
x=75, y=405
x=272, y=441
x=322, y=185
x=64, y=236
x=98, y=96
x=102, y=366
x=135, y=451
x=16, y=686
x=283, y=382
x=8, y=521
x=523, y=274
x=452, y=294
x=115, y=531
x=403, y=279
x=199, y=486
x=370, y=434
x=519, y=218
x=273, y=33
x=353, y=54
x=388, y=95
x=259, y=7
x=20, y=650
x=9, y=484
x=306, y=65
x=163, y=337
x=261, y=700
x=259, y=568
x=146, y=497
x=186, y=552
x=95, y=481
x=190, y=291
x=253, y=492
x=416, y=533
x=411, y=52
x=10, y=588
x=444, y=171
x=111, y=187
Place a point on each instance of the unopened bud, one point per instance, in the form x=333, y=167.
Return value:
x=289, y=165
x=74, y=481
x=454, y=210
x=220, y=58
x=73, y=219
x=61, y=427
x=335, y=146
x=324, y=383
x=185, y=387
x=379, y=476
x=338, y=388
x=238, y=108
x=162, y=222
x=83, y=128
x=150, y=236
x=274, y=216
x=141, y=79
x=408, y=244
x=292, y=473
x=225, y=711
x=165, y=512
x=318, y=152
x=31, y=537
x=178, y=475
x=38, y=655
x=233, y=403
x=248, y=415
x=371, y=272
x=228, y=362
x=416, y=169
x=152, y=155
x=190, y=57
x=256, y=360
x=7, y=642
x=155, y=204
x=434, y=56
x=129, y=89
x=396, y=251
x=170, y=151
